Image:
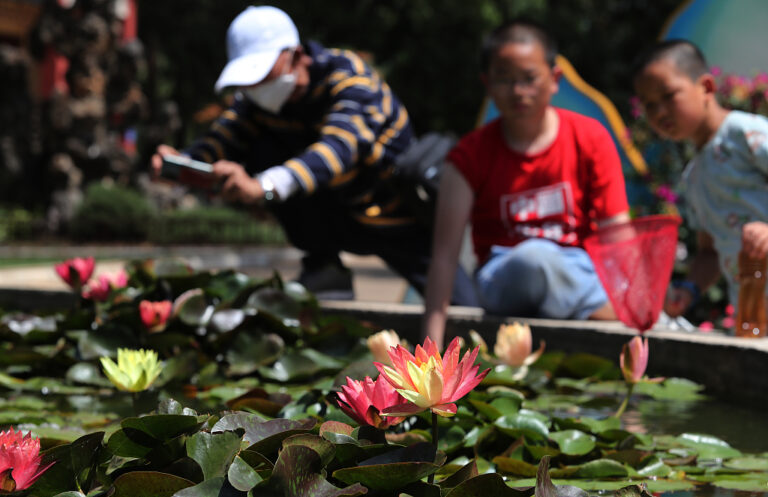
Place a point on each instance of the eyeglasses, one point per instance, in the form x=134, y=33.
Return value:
x=525, y=83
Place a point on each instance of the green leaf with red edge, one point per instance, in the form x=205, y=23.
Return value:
x=213, y=451
x=325, y=449
x=149, y=484
x=299, y=472
x=268, y=436
x=394, y=469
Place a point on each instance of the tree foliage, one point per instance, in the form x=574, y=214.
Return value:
x=427, y=50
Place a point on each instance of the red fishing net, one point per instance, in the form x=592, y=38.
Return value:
x=634, y=262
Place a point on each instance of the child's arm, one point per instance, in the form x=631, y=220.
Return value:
x=754, y=239
x=454, y=203
x=703, y=272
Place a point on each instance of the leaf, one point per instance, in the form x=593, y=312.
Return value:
x=491, y=484
x=302, y=364
x=231, y=422
x=707, y=446
x=466, y=472
x=573, y=442
x=75, y=465
x=227, y=320
x=215, y=487
x=744, y=486
x=250, y=351
x=242, y=476
x=599, y=468
x=748, y=463
x=105, y=342
x=88, y=374
x=149, y=484
x=160, y=427
x=544, y=485
x=394, y=469
x=192, y=308
x=512, y=466
x=523, y=424
x=325, y=449
x=268, y=436
x=298, y=473
x=213, y=451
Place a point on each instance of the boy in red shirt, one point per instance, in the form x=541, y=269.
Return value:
x=533, y=183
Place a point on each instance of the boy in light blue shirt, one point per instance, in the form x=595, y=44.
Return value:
x=726, y=183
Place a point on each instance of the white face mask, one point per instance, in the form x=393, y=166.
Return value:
x=272, y=95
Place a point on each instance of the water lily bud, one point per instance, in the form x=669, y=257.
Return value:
x=380, y=343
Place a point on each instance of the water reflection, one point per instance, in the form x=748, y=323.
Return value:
x=743, y=428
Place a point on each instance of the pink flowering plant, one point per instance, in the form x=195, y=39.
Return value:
x=364, y=400
x=76, y=271
x=633, y=362
x=20, y=460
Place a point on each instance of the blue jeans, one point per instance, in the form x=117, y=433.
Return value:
x=539, y=278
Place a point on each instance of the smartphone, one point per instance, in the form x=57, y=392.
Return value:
x=174, y=166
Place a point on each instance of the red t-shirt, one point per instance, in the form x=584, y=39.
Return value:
x=556, y=194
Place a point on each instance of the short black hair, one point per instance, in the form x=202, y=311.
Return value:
x=685, y=55
x=519, y=30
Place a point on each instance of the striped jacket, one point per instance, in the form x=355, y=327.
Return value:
x=342, y=136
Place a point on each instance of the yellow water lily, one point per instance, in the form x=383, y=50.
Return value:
x=135, y=370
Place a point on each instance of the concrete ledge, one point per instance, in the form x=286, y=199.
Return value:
x=733, y=369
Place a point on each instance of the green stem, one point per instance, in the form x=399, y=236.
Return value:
x=431, y=478
x=135, y=403
x=625, y=403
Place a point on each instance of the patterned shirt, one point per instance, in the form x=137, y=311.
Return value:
x=343, y=136
x=726, y=186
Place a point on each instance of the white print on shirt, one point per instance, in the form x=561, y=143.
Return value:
x=524, y=213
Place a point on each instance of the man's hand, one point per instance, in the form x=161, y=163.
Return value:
x=754, y=239
x=157, y=160
x=236, y=184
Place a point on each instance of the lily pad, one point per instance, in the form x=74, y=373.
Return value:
x=213, y=451
x=299, y=472
x=748, y=463
x=394, y=469
x=250, y=351
x=268, y=436
x=523, y=424
x=573, y=442
x=301, y=364
x=490, y=484
x=149, y=484
x=242, y=476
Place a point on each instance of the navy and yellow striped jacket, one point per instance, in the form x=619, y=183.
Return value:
x=342, y=136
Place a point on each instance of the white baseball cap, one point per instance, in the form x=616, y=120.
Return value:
x=254, y=41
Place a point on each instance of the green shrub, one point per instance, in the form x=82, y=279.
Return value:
x=112, y=213
x=213, y=225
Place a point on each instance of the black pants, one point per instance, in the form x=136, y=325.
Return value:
x=322, y=228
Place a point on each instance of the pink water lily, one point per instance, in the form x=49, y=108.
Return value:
x=76, y=272
x=429, y=381
x=155, y=314
x=364, y=400
x=19, y=460
x=101, y=288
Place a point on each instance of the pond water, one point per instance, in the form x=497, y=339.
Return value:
x=744, y=428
